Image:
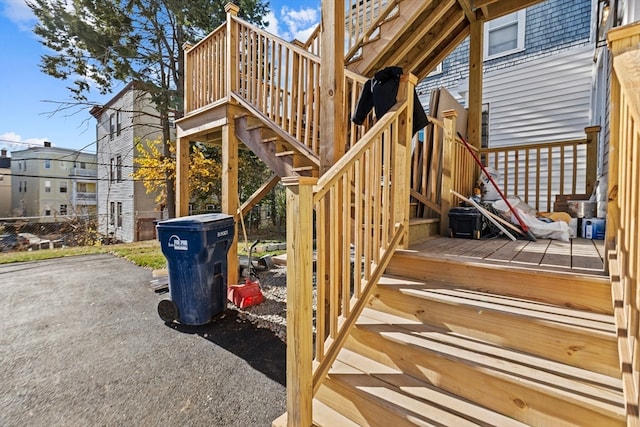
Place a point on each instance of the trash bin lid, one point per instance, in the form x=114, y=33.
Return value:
x=197, y=222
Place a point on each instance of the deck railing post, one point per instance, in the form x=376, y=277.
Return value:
x=299, y=299
x=231, y=54
x=188, y=78
x=592, y=156
x=448, y=158
x=401, y=172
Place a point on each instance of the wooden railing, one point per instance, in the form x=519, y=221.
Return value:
x=361, y=208
x=623, y=217
x=278, y=78
x=362, y=21
x=538, y=172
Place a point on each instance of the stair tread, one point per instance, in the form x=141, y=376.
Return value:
x=565, y=316
x=325, y=416
x=575, y=384
x=425, y=393
x=385, y=402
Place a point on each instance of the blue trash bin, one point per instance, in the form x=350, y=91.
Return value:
x=196, y=249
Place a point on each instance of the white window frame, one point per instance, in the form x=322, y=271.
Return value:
x=436, y=71
x=521, y=18
x=63, y=187
x=47, y=186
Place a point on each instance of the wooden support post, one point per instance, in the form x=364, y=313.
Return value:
x=230, y=66
x=332, y=115
x=449, y=139
x=230, y=195
x=182, y=177
x=474, y=118
x=299, y=299
x=401, y=172
x=592, y=156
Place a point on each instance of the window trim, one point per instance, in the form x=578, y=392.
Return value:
x=112, y=126
x=521, y=20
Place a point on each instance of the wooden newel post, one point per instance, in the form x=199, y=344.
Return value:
x=401, y=172
x=592, y=156
x=448, y=159
x=232, y=43
x=299, y=299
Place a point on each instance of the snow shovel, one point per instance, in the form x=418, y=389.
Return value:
x=515, y=213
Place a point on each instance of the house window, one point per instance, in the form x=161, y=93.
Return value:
x=83, y=165
x=82, y=187
x=25, y=186
x=118, y=122
x=47, y=164
x=504, y=35
x=119, y=168
x=63, y=209
x=63, y=186
x=112, y=127
x=19, y=166
x=112, y=213
x=119, y=214
x=436, y=71
x=47, y=211
x=19, y=186
x=47, y=186
x=112, y=170
x=24, y=165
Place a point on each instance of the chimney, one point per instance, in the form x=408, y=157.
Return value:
x=4, y=153
x=47, y=144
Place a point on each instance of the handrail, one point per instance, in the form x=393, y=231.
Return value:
x=623, y=217
x=361, y=214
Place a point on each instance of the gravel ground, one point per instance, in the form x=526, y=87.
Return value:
x=272, y=312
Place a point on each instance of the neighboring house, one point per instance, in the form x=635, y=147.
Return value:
x=5, y=184
x=49, y=182
x=125, y=211
x=540, y=58
x=538, y=70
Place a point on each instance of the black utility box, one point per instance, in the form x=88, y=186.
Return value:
x=465, y=222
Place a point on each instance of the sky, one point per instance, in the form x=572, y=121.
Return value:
x=34, y=106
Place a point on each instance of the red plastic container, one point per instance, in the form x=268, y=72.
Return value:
x=246, y=294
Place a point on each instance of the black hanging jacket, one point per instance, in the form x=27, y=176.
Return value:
x=380, y=94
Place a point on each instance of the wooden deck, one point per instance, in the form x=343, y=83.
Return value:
x=578, y=255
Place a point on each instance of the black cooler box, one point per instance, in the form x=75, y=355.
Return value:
x=465, y=222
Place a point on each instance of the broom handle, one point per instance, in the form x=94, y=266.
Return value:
x=511, y=208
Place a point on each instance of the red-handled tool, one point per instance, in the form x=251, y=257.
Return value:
x=515, y=213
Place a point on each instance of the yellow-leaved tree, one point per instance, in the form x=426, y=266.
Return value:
x=152, y=168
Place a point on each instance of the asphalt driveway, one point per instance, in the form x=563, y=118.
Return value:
x=81, y=344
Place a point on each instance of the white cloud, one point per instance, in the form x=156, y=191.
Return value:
x=299, y=23
x=11, y=141
x=272, y=23
x=19, y=13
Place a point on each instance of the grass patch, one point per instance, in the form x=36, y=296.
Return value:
x=145, y=254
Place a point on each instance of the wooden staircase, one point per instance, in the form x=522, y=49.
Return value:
x=477, y=345
x=411, y=34
x=284, y=155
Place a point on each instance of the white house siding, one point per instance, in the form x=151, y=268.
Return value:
x=136, y=203
x=544, y=100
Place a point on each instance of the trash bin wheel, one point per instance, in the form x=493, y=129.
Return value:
x=168, y=310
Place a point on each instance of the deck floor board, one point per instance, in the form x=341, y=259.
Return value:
x=578, y=255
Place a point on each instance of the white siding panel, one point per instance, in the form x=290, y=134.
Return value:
x=540, y=101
